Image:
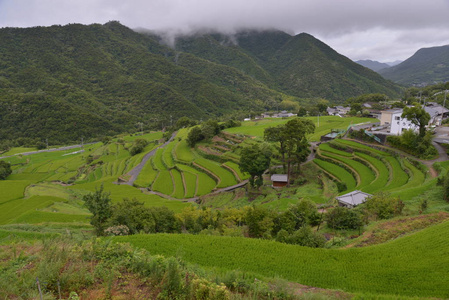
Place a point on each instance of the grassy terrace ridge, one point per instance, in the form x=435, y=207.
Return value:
x=415, y=265
x=327, y=123
x=338, y=172
x=226, y=177
x=367, y=176
x=383, y=171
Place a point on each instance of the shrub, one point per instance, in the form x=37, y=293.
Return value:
x=343, y=218
x=5, y=169
x=138, y=146
x=384, y=206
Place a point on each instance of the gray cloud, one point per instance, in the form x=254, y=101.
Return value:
x=360, y=29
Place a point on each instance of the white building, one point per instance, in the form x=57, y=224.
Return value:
x=398, y=125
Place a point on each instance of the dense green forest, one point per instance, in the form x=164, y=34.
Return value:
x=298, y=65
x=64, y=83
x=426, y=66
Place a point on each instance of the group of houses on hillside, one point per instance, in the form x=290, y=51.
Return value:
x=392, y=122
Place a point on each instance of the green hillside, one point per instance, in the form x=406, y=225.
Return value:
x=298, y=65
x=426, y=66
x=67, y=82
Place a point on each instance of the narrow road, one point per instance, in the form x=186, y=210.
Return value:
x=134, y=173
x=49, y=150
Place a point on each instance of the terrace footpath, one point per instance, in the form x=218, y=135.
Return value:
x=49, y=150
x=195, y=199
x=134, y=173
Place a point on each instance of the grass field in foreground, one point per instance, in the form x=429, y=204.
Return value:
x=327, y=123
x=415, y=265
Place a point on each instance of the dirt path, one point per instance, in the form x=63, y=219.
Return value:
x=49, y=150
x=134, y=173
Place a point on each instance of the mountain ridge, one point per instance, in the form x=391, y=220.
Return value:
x=427, y=66
x=114, y=77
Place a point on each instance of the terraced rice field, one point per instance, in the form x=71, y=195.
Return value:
x=420, y=271
x=376, y=170
x=338, y=172
x=226, y=178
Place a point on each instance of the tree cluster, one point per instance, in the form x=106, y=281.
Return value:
x=138, y=146
x=255, y=160
x=207, y=130
x=132, y=216
x=291, y=141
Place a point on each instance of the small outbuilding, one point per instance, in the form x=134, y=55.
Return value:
x=279, y=180
x=352, y=199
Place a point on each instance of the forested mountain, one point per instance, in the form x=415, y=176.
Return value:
x=372, y=64
x=298, y=65
x=65, y=82
x=426, y=66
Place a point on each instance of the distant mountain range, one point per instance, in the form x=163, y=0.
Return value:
x=426, y=66
x=373, y=65
x=67, y=82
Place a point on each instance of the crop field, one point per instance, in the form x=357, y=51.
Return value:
x=226, y=177
x=381, y=171
x=191, y=184
x=382, y=269
x=366, y=175
x=327, y=123
x=167, y=155
x=147, y=176
x=158, y=161
x=183, y=153
x=235, y=167
x=164, y=183
x=179, y=190
x=338, y=172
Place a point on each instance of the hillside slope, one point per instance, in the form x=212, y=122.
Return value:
x=67, y=82
x=426, y=66
x=298, y=65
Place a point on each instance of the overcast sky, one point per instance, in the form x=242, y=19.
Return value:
x=383, y=30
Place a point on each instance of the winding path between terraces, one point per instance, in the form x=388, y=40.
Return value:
x=134, y=173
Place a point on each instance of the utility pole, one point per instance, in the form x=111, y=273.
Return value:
x=82, y=142
x=444, y=106
x=318, y=120
x=140, y=124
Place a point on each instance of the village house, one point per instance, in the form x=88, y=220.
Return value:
x=279, y=180
x=397, y=124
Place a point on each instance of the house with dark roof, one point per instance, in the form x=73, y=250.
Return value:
x=353, y=199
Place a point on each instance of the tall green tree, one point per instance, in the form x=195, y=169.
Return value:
x=254, y=160
x=418, y=116
x=99, y=204
x=292, y=139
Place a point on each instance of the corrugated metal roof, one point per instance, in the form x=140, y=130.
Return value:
x=279, y=177
x=354, y=198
